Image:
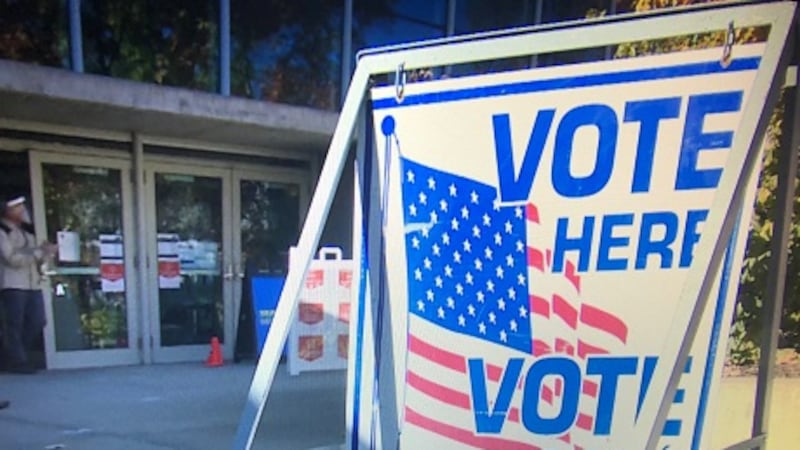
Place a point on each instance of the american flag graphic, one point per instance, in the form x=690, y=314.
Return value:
x=481, y=269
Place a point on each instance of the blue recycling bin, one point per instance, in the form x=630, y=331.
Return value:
x=266, y=292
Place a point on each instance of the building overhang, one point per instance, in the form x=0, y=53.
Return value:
x=46, y=95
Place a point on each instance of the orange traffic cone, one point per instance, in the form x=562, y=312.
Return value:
x=215, y=356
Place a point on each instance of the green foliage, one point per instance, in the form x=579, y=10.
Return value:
x=33, y=31
x=756, y=265
x=172, y=43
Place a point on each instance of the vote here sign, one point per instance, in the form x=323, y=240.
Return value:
x=539, y=228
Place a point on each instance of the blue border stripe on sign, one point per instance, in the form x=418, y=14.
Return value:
x=713, y=343
x=580, y=81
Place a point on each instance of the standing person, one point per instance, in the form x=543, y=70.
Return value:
x=20, y=293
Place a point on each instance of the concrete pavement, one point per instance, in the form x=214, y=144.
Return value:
x=166, y=407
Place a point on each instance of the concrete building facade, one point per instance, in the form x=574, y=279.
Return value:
x=165, y=195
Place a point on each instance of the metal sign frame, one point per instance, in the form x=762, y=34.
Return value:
x=575, y=35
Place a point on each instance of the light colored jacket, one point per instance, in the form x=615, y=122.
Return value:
x=19, y=258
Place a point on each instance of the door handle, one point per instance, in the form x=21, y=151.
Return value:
x=228, y=275
x=239, y=272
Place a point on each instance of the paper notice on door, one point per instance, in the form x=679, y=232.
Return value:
x=112, y=275
x=69, y=246
x=111, y=246
x=168, y=244
x=169, y=263
x=112, y=265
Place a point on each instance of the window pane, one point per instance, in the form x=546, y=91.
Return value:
x=34, y=31
x=288, y=52
x=385, y=22
x=189, y=231
x=473, y=16
x=270, y=223
x=172, y=43
x=83, y=212
x=560, y=11
x=479, y=15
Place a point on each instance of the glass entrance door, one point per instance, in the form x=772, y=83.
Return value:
x=80, y=204
x=268, y=210
x=210, y=232
x=191, y=274
x=267, y=220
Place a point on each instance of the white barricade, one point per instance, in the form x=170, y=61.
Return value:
x=318, y=339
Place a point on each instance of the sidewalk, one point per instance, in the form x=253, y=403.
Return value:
x=166, y=407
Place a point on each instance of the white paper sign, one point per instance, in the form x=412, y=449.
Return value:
x=169, y=263
x=69, y=246
x=112, y=264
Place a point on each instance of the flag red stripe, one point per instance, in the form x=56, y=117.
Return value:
x=439, y=356
x=513, y=415
x=447, y=395
x=565, y=311
x=448, y=359
x=437, y=391
x=585, y=349
x=464, y=436
x=536, y=259
x=532, y=213
x=602, y=320
x=493, y=372
x=590, y=388
x=572, y=275
x=547, y=394
x=540, y=306
x=540, y=348
x=565, y=347
x=584, y=422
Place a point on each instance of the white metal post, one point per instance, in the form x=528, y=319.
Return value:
x=779, y=255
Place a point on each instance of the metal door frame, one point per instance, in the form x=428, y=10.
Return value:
x=185, y=353
x=267, y=174
x=97, y=357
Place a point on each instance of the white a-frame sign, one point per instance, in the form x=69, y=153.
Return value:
x=549, y=257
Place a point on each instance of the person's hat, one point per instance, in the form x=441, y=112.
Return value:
x=13, y=200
